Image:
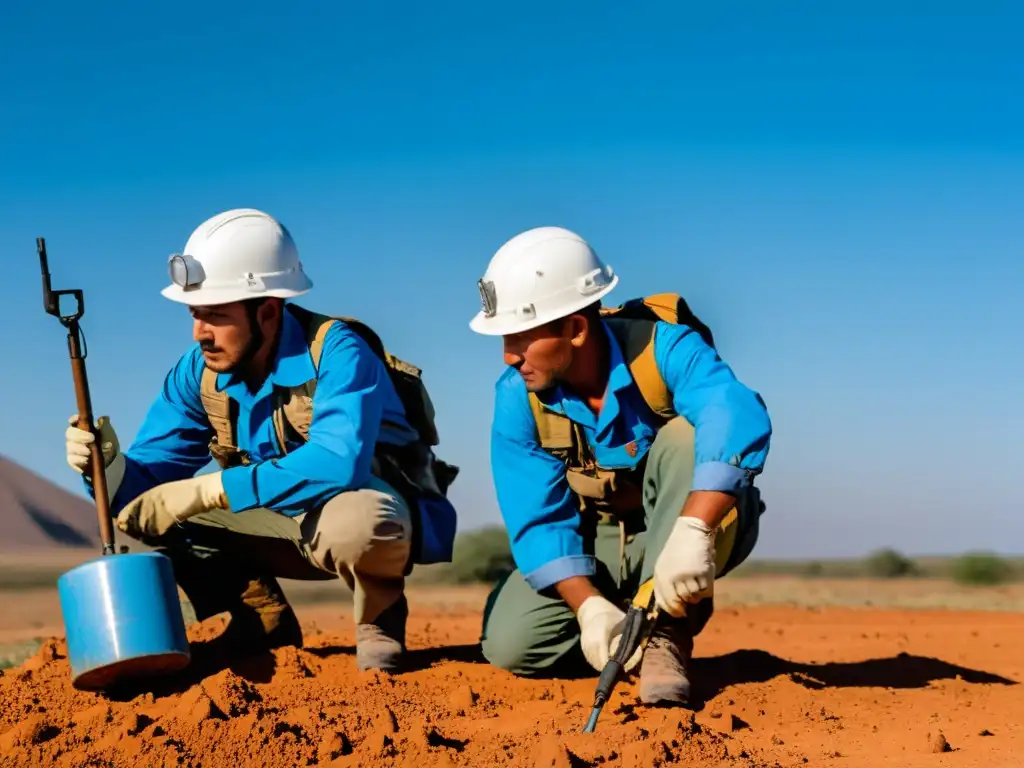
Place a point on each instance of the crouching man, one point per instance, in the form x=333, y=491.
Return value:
x=324, y=450
x=623, y=449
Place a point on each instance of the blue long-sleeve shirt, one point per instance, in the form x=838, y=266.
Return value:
x=732, y=432
x=354, y=397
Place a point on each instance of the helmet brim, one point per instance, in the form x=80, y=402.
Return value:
x=204, y=297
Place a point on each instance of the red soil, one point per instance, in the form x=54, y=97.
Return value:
x=781, y=687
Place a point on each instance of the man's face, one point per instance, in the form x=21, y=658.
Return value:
x=541, y=355
x=225, y=334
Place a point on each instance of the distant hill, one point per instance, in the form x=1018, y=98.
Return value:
x=37, y=514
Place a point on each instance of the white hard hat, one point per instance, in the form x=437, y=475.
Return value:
x=236, y=255
x=538, y=276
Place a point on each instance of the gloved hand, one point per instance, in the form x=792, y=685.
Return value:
x=601, y=625
x=151, y=514
x=685, y=569
x=77, y=445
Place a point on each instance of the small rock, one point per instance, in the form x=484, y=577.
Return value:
x=202, y=711
x=294, y=663
x=462, y=699
x=388, y=723
x=334, y=746
x=735, y=723
x=135, y=724
x=552, y=754
x=678, y=723
x=939, y=744
x=32, y=730
x=195, y=707
x=48, y=651
x=379, y=742
x=986, y=732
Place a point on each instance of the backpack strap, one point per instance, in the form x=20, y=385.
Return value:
x=292, y=410
x=667, y=306
x=636, y=340
x=557, y=433
x=218, y=409
x=315, y=326
x=221, y=410
x=316, y=344
x=562, y=438
x=554, y=430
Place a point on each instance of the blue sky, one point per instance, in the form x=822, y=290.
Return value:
x=839, y=194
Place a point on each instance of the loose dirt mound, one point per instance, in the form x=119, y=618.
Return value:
x=876, y=702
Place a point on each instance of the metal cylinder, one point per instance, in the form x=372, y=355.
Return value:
x=123, y=619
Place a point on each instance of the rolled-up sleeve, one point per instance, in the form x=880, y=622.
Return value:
x=534, y=498
x=732, y=428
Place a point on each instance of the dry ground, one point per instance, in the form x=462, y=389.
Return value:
x=791, y=672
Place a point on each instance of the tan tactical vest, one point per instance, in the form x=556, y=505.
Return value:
x=292, y=410
x=613, y=492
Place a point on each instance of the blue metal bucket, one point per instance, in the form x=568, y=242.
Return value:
x=123, y=619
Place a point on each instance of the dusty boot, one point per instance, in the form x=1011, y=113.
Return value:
x=260, y=615
x=665, y=668
x=381, y=643
x=262, y=619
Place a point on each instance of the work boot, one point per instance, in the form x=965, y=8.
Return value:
x=262, y=620
x=665, y=668
x=261, y=617
x=380, y=644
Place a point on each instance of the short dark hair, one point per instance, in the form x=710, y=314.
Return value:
x=252, y=306
x=592, y=313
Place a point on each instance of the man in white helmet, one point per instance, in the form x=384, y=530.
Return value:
x=603, y=483
x=324, y=472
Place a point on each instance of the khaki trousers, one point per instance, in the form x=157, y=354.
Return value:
x=362, y=536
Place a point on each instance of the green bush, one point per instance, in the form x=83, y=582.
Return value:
x=981, y=569
x=890, y=564
x=814, y=569
x=482, y=555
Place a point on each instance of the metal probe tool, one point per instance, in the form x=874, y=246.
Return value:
x=77, y=352
x=640, y=620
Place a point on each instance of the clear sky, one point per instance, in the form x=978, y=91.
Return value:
x=839, y=194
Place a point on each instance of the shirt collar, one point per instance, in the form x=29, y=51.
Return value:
x=619, y=378
x=292, y=365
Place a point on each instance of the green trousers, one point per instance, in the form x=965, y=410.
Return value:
x=535, y=634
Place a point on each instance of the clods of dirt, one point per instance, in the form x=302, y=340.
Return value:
x=312, y=707
x=938, y=743
x=462, y=699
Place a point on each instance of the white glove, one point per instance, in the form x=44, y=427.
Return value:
x=601, y=625
x=685, y=569
x=154, y=512
x=77, y=446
